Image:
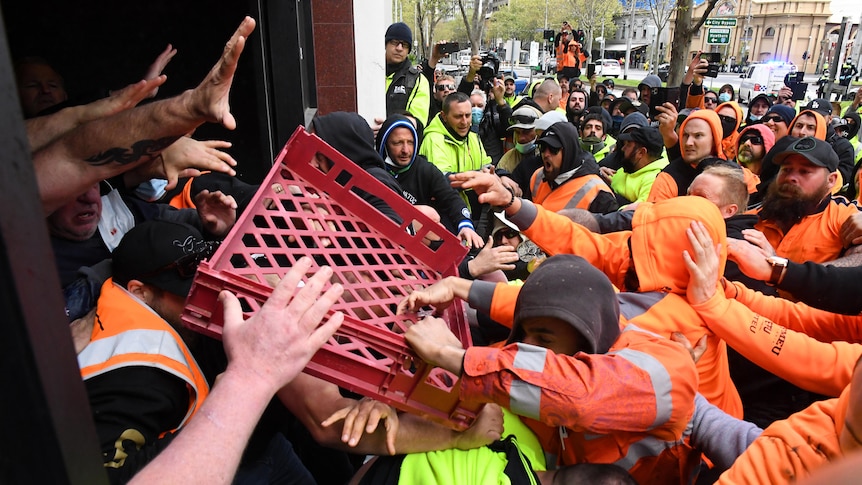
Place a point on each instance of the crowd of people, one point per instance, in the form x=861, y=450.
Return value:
x=643, y=280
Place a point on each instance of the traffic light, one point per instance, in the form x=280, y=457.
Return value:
x=580, y=37
x=549, y=35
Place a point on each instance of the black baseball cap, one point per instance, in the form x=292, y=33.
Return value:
x=164, y=254
x=647, y=136
x=818, y=152
x=820, y=105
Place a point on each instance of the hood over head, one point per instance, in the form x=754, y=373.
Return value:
x=820, y=130
x=565, y=136
x=712, y=118
x=764, y=97
x=350, y=135
x=728, y=143
x=854, y=129
x=391, y=123
x=658, y=239
x=593, y=311
x=651, y=81
x=766, y=133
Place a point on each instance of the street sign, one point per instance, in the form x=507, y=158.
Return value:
x=718, y=35
x=720, y=23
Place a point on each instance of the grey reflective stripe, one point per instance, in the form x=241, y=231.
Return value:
x=661, y=382
x=525, y=398
x=582, y=192
x=648, y=446
x=540, y=176
x=141, y=341
x=635, y=304
x=530, y=357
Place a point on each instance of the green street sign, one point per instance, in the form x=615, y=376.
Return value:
x=719, y=35
x=720, y=23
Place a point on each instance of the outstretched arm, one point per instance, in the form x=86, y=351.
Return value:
x=264, y=352
x=110, y=146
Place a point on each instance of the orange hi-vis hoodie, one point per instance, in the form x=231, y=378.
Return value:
x=789, y=450
x=626, y=398
x=666, y=184
x=653, y=249
x=813, y=349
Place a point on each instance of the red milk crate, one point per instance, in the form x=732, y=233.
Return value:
x=301, y=211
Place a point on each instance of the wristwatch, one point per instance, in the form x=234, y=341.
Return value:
x=779, y=264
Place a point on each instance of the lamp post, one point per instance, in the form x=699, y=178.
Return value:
x=629, y=40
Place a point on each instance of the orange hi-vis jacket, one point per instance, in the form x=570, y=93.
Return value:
x=654, y=247
x=129, y=333
x=630, y=406
x=789, y=450
x=577, y=192
x=817, y=237
x=813, y=349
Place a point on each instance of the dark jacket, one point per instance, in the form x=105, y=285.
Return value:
x=421, y=182
x=492, y=129
x=350, y=134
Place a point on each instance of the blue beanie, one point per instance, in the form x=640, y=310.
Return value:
x=785, y=112
x=400, y=31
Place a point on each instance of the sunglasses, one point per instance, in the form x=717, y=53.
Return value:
x=187, y=265
x=773, y=118
x=541, y=147
x=445, y=87
x=507, y=233
x=753, y=139
x=710, y=100
x=727, y=119
x=525, y=119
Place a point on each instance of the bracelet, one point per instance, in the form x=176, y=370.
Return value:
x=512, y=201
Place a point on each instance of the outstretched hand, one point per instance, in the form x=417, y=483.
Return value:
x=489, y=186
x=217, y=211
x=364, y=416
x=210, y=98
x=702, y=264
x=156, y=68
x=276, y=343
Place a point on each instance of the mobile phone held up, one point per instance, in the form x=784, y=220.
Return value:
x=660, y=96
x=591, y=70
x=714, y=59
x=449, y=47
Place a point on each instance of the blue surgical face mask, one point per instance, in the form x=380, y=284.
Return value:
x=723, y=97
x=477, y=114
x=151, y=190
x=754, y=117
x=526, y=148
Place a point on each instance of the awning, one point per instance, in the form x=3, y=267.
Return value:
x=618, y=45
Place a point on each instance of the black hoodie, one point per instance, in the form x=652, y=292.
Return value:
x=349, y=134
x=421, y=181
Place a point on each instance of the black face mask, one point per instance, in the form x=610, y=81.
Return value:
x=727, y=128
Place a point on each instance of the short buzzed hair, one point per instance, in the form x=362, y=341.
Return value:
x=548, y=87
x=735, y=189
x=456, y=97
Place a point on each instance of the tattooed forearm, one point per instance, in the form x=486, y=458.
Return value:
x=143, y=149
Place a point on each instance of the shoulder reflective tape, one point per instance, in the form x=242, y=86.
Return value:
x=661, y=382
x=148, y=342
x=530, y=357
x=636, y=304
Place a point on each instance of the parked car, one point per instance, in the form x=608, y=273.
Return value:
x=663, y=71
x=608, y=68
